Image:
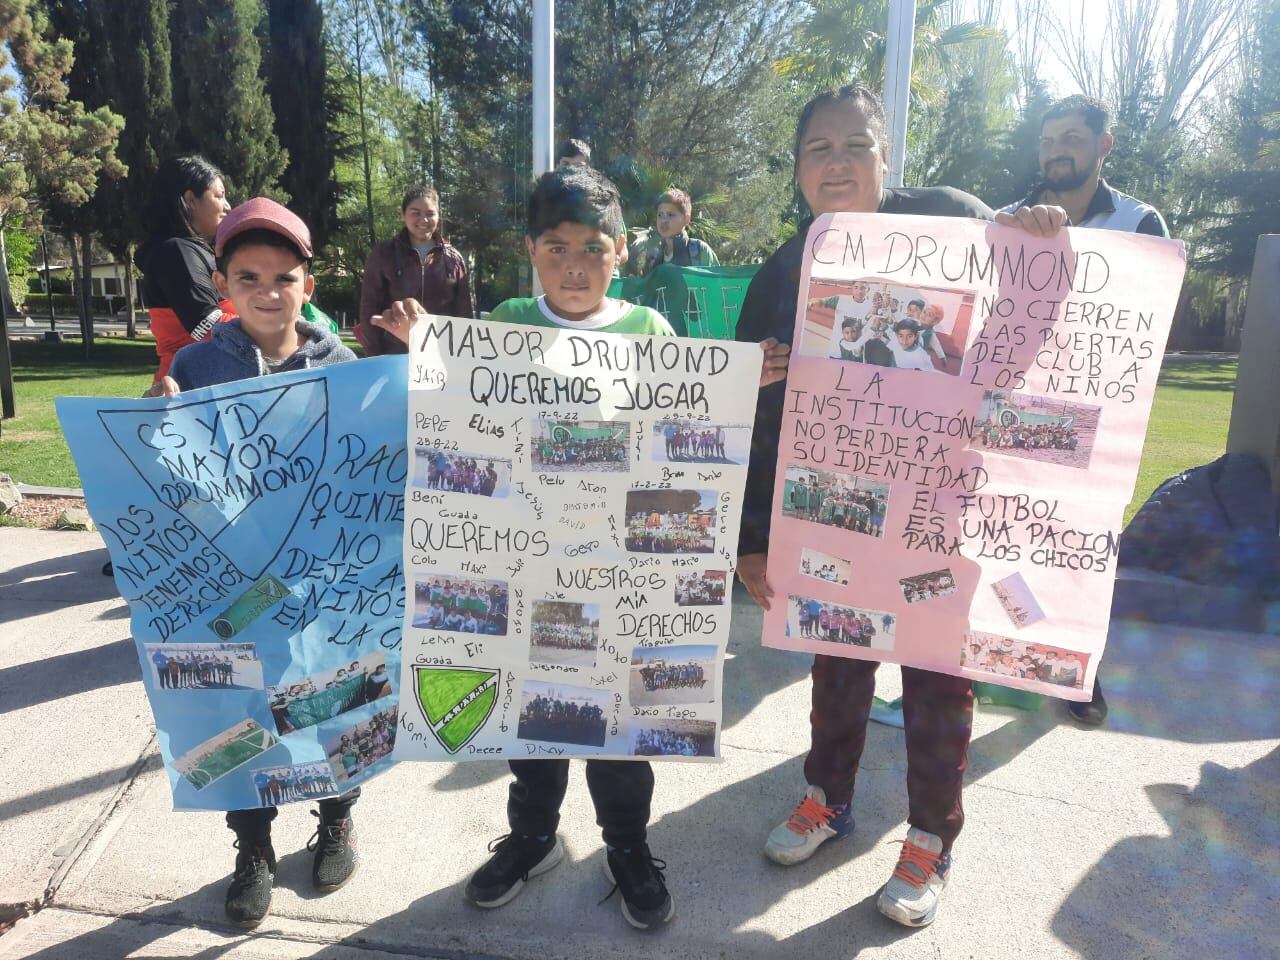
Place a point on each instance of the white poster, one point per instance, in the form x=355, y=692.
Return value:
x=571, y=528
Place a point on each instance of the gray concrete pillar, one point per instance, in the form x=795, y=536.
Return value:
x=1255, y=413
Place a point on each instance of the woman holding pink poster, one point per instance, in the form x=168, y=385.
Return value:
x=840, y=161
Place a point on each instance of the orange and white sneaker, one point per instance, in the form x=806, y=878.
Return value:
x=911, y=896
x=810, y=825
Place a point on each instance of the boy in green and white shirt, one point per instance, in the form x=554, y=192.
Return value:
x=614, y=316
x=575, y=238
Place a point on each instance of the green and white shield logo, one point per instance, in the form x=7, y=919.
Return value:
x=456, y=701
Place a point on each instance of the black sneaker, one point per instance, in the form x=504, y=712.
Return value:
x=249, y=896
x=639, y=876
x=516, y=859
x=334, y=843
x=1093, y=712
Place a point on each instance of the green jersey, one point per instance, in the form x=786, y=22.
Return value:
x=617, y=316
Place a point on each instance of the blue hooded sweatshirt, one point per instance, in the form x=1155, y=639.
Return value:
x=230, y=354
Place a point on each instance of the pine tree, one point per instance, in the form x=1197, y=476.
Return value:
x=1015, y=167
x=122, y=60
x=51, y=148
x=296, y=82
x=220, y=92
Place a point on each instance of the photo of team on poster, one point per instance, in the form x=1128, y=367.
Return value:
x=665, y=675
x=581, y=446
x=694, y=441
x=702, y=588
x=673, y=738
x=839, y=623
x=555, y=713
x=824, y=566
x=310, y=700
x=928, y=586
x=1036, y=428
x=476, y=474
x=1006, y=657
x=223, y=752
x=671, y=521
x=305, y=781
x=204, y=666
x=564, y=633
x=1018, y=600
x=887, y=324
x=852, y=503
x=359, y=747
x=458, y=604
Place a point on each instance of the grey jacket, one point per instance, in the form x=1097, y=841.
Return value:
x=230, y=354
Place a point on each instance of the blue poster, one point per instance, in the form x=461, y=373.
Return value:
x=256, y=532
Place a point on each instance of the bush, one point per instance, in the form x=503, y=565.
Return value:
x=19, y=248
x=336, y=293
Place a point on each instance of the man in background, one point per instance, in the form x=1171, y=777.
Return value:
x=1075, y=141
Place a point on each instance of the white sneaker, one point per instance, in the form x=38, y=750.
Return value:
x=911, y=896
x=810, y=825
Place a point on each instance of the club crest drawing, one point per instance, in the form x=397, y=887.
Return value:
x=456, y=701
x=248, y=459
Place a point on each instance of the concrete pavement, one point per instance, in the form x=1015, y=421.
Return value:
x=1154, y=836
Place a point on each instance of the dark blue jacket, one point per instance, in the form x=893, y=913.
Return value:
x=230, y=354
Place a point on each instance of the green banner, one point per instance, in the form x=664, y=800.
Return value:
x=697, y=301
x=323, y=704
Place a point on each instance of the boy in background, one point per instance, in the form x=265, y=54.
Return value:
x=669, y=242
x=263, y=256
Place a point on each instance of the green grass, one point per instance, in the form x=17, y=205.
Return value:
x=32, y=449
x=1188, y=422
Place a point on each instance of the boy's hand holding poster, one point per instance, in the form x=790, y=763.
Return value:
x=255, y=530
x=965, y=413
x=571, y=527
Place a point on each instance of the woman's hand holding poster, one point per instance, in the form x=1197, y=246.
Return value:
x=571, y=526
x=965, y=413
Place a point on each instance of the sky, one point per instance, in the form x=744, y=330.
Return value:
x=1053, y=72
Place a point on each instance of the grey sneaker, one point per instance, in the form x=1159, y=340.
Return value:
x=911, y=896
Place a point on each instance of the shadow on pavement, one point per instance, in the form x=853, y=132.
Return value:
x=73, y=789
x=54, y=583
x=66, y=674
x=717, y=900
x=1208, y=889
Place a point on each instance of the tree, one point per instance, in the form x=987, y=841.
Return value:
x=220, y=92
x=1237, y=194
x=19, y=248
x=843, y=41
x=297, y=84
x=122, y=60
x=51, y=147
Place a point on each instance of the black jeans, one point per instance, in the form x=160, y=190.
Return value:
x=620, y=790
x=254, y=825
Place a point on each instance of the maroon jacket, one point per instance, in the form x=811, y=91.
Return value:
x=394, y=271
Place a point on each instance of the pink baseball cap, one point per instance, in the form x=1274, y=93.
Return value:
x=262, y=213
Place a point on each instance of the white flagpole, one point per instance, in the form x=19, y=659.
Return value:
x=899, y=49
x=544, y=78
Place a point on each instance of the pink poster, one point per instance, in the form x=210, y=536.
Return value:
x=965, y=413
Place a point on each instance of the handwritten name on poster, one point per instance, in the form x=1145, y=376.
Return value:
x=964, y=418
x=571, y=529
x=255, y=531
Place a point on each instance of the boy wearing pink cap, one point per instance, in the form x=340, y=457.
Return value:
x=263, y=253
x=264, y=268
